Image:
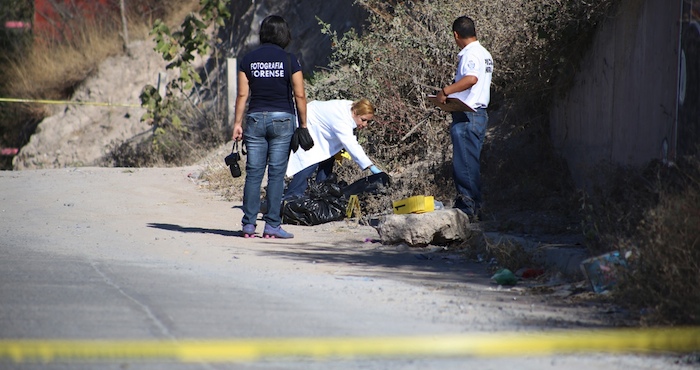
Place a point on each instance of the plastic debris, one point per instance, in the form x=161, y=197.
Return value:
x=504, y=277
x=529, y=273
x=601, y=272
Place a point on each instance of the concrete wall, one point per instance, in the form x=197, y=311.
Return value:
x=622, y=108
x=688, y=132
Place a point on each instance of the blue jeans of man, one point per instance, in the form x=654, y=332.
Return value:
x=300, y=181
x=267, y=136
x=468, y=131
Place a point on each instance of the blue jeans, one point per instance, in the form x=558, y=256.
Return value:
x=468, y=131
x=267, y=136
x=297, y=186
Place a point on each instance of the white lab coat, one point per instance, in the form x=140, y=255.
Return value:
x=331, y=126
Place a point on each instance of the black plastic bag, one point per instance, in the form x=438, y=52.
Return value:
x=367, y=185
x=322, y=203
x=309, y=212
x=328, y=201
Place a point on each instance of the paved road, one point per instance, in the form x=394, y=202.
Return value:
x=97, y=253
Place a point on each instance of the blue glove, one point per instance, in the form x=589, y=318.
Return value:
x=374, y=169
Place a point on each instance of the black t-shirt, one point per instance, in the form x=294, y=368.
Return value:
x=269, y=78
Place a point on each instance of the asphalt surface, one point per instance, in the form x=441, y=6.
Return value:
x=126, y=254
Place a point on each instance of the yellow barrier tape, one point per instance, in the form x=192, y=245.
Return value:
x=476, y=344
x=68, y=102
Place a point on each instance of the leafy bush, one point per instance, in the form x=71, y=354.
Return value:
x=408, y=49
x=185, y=121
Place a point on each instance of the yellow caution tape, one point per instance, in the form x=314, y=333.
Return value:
x=67, y=102
x=475, y=344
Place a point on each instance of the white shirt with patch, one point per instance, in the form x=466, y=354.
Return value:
x=475, y=60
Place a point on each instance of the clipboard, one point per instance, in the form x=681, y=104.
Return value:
x=451, y=105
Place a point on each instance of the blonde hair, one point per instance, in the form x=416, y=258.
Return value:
x=362, y=107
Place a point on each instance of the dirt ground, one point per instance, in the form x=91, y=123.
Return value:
x=162, y=202
x=542, y=225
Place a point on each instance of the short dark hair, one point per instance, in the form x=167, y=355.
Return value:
x=275, y=30
x=464, y=26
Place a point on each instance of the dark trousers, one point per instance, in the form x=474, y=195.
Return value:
x=299, y=183
x=468, y=131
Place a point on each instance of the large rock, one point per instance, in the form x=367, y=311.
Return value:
x=417, y=230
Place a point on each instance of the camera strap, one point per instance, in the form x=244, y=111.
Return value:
x=235, y=148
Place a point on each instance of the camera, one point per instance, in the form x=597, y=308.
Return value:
x=232, y=162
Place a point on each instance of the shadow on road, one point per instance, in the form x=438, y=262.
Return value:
x=198, y=230
x=446, y=269
x=412, y=264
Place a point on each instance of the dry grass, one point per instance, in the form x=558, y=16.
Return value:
x=656, y=216
x=509, y=254
x=176, y=10
x=52, y=69
x=216, y=177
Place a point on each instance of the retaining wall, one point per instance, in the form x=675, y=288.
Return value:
x=624, y=105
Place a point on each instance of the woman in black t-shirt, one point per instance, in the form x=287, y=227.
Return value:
x=273, y=80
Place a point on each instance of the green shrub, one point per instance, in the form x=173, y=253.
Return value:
x=185, y=122
x=408, y=48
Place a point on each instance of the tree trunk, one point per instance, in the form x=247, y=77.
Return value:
x=125, y=31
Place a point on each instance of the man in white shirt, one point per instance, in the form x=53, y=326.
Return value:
x=472, y=85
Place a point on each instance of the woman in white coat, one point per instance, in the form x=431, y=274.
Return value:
x=331, y=124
